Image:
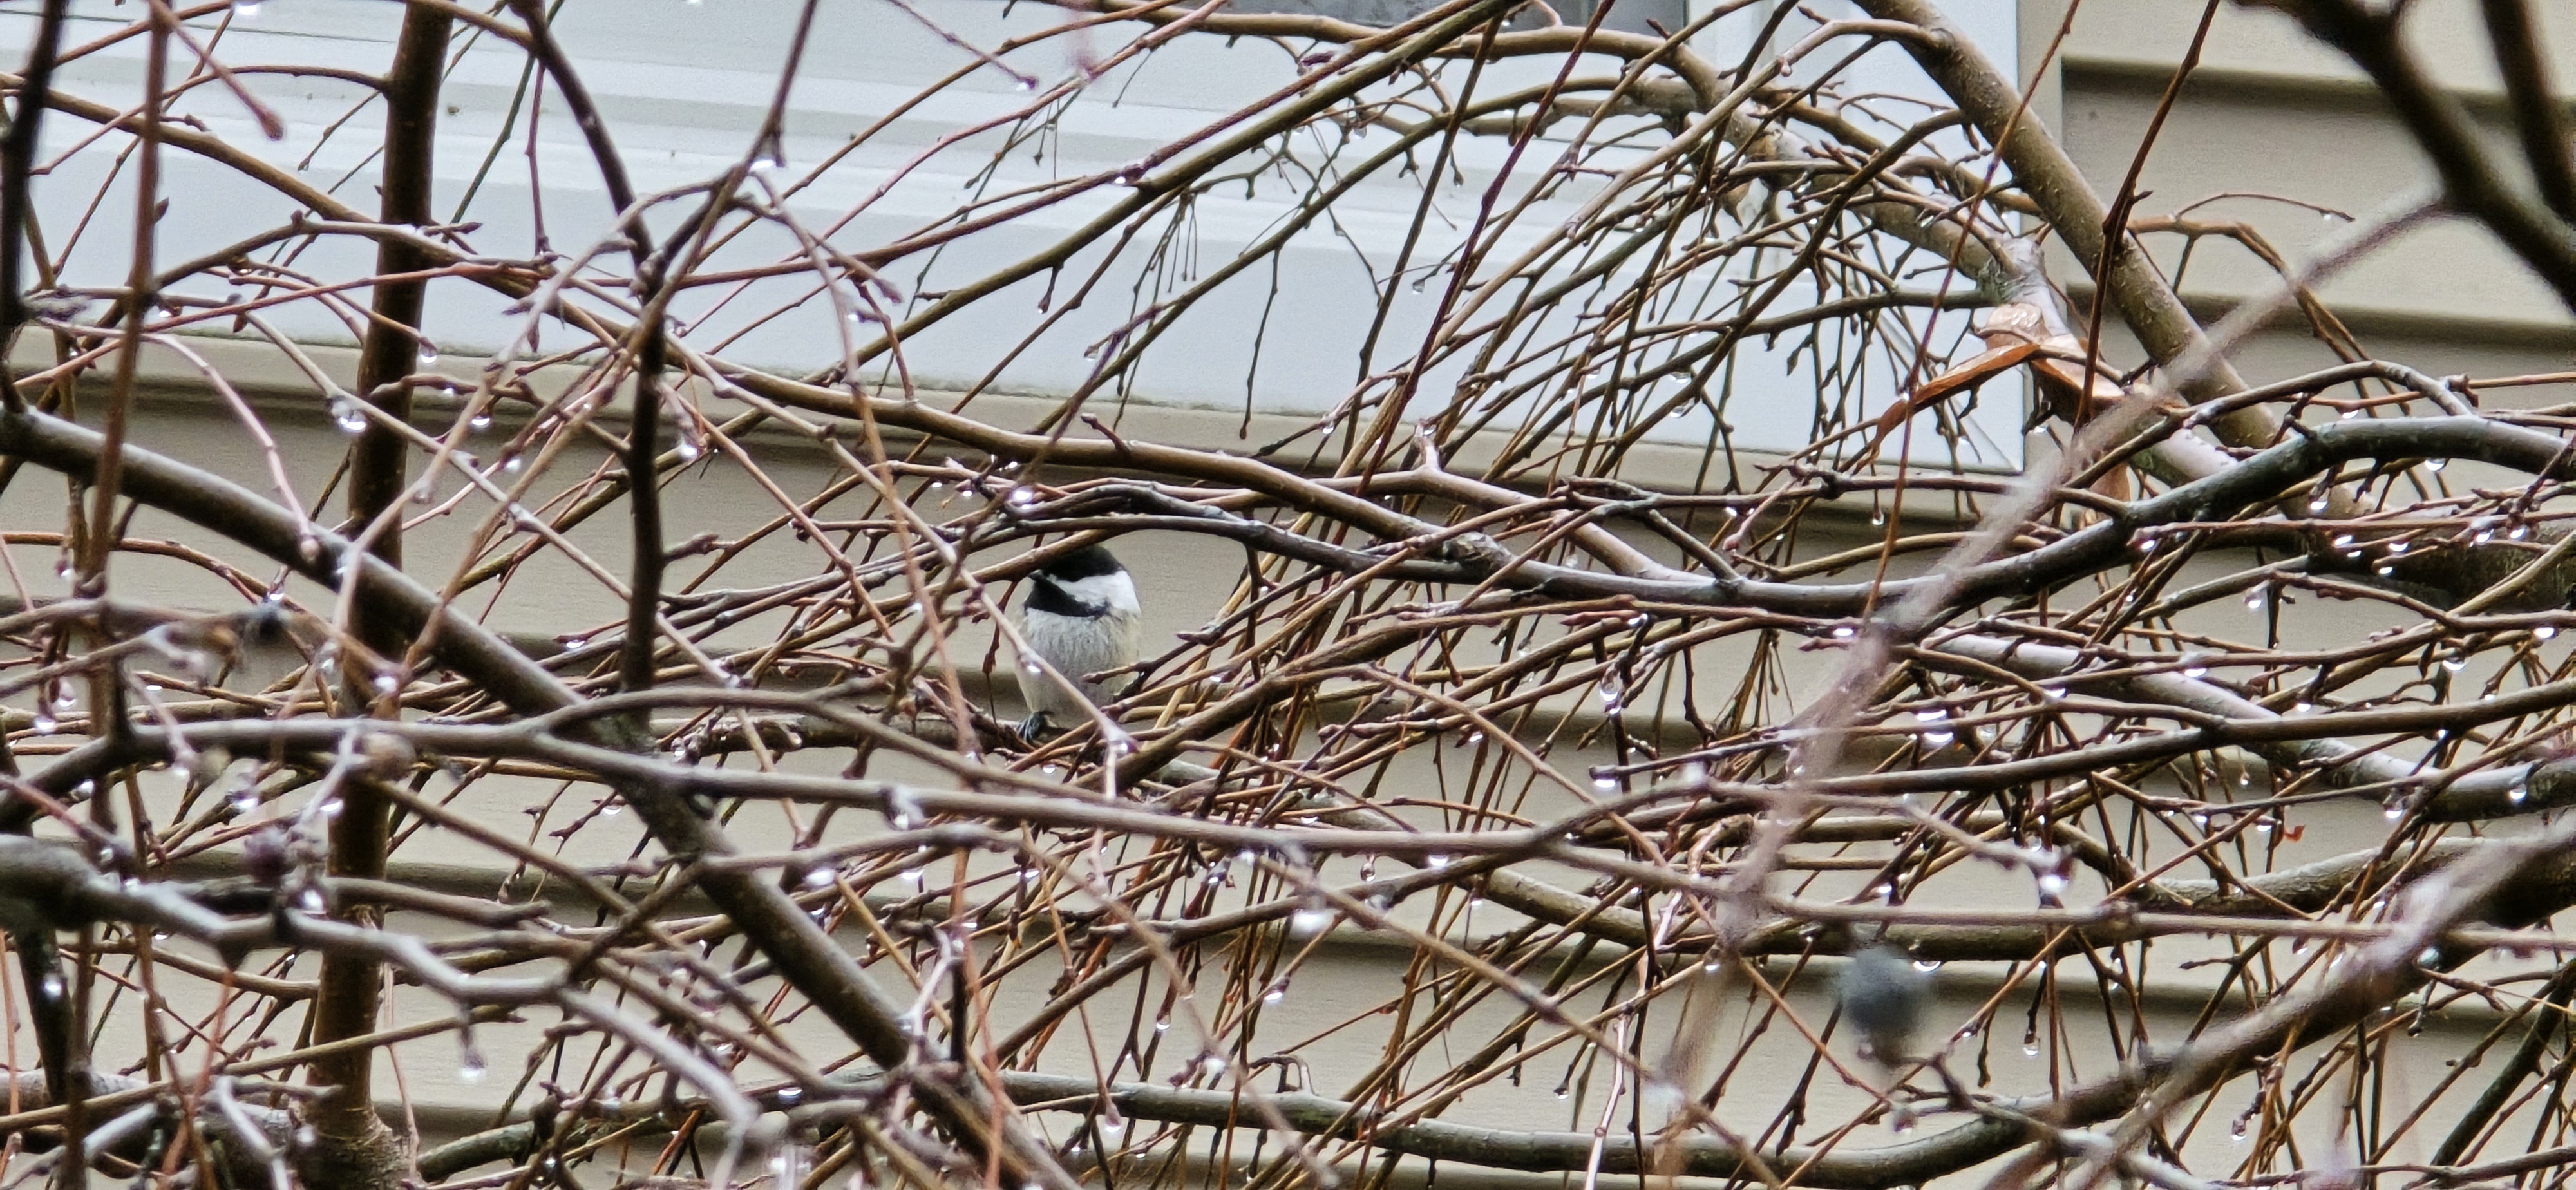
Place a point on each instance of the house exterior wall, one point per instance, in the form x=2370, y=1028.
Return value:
x=2266, y=112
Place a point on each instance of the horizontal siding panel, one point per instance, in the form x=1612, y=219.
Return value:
x=2263, y=122
x=2449, y=35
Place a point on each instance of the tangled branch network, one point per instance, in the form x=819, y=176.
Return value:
x=1626, y=519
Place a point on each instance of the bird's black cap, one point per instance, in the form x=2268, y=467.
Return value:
x=1091, y=561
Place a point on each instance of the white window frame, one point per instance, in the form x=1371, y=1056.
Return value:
x=683, y=84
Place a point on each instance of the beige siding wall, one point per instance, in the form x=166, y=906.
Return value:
x=2270, y=113
x=2267, y=113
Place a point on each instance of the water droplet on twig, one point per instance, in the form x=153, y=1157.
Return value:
x=469, y=1059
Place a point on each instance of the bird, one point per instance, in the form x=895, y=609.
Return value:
x=1081, y=618
x=47, y=886
x=1884, y=996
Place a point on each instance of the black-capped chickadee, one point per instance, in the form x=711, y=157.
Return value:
x=1081, y=619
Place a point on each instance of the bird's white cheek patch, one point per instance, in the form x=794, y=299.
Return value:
x=1117, y=592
